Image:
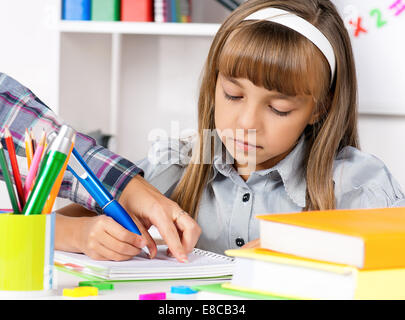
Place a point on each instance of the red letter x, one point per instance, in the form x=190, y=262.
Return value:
x=358, y=27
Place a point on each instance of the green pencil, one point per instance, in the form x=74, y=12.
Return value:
x=7, y=179
x=49, y=171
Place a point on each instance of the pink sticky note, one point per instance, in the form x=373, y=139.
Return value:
x=153, y=296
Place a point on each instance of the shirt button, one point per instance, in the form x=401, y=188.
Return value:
x=239, y=242
x=246, y=197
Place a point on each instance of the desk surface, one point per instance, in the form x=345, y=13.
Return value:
x=122, y=290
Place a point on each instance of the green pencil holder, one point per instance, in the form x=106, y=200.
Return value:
x=26, y=254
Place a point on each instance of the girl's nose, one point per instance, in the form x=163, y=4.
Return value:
x=249, y=118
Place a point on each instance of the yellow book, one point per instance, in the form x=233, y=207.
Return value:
x=364, y=238
x=269, y=272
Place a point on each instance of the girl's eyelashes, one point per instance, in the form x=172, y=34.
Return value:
x=232, y=98
x=280, y=113
x=277, y=112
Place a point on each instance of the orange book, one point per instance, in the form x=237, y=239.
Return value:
x=364, y=238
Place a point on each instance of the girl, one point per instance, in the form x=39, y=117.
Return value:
x=279, y=97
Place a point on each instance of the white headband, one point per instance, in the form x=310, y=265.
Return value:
x=303, y=27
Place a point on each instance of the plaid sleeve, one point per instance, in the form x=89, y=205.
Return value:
x=21, y=109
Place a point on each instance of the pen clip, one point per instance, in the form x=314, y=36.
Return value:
x=76, y=168
x=100, y=194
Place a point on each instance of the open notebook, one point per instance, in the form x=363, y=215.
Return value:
x=202, y=264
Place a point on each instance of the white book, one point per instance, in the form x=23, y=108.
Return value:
x=202, y=264
x=295, y=281
x=159, y=10
x=284, y=275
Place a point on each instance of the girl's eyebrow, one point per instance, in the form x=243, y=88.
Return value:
x=234, y=81
x=282, y=96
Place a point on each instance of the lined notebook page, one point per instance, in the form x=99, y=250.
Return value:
x=201, y=264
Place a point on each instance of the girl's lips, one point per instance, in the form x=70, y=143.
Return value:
x=245, y=146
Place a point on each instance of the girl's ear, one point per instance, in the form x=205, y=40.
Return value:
x=320, y=110
x=315, y=117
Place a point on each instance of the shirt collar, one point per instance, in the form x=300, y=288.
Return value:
x=290, y=169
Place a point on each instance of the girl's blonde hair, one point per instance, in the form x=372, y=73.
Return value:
x=277, y=58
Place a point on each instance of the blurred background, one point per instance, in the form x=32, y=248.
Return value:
x=118, y=76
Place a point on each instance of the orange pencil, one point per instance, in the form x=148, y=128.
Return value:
x=55, y=189
x=14, y=166
x=28, y=148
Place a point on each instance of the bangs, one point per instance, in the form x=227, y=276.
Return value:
x=276, y=58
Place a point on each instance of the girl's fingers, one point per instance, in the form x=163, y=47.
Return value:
x=148, y=240
x=144, y=201
x=134, y=240
x=150, y=244
x=122, y=234
x=169, y=233
x=120, y=247
x=100, y=252
x=190, y=231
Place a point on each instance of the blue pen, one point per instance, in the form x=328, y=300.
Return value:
x=100, y=194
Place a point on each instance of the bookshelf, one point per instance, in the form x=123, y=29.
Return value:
x=150, y=28
x=133, y=79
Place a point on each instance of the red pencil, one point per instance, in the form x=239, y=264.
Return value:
x=14, y=166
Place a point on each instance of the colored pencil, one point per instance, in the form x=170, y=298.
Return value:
x=56, y=187
x=28, y=148
x=35, y=165
x=6, y=210
x=53, y=164
x=7, y=179
x=34, y=142
x=14, y=166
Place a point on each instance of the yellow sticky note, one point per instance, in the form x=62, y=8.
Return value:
x=80, y=292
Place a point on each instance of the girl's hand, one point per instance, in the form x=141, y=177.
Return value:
x=102, y=238
x=252, y=244
x=147, y=206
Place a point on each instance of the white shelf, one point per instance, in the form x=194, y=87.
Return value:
x=151, y=28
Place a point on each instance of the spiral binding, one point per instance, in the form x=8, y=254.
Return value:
x=213, y=255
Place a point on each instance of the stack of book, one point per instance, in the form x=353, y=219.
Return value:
x=127, y=10
x=327, y=255
x=172, y=10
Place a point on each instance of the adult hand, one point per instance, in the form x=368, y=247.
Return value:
x=147, y=206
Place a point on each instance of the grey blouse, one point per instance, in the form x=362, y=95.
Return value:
x=229, y=204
